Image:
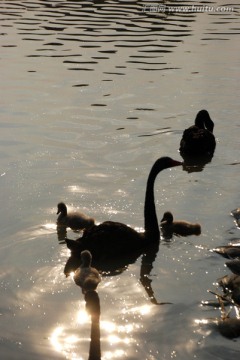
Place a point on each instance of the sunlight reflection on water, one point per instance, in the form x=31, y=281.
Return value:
x=93, y=94
x=117, y=337
x=65, y=344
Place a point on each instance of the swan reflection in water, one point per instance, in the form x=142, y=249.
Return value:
x=117, y=266
x=191, y=164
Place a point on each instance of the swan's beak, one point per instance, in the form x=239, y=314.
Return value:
x=176, y=163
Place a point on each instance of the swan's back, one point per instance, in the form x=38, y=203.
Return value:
x=112, y=237
x=197, y=141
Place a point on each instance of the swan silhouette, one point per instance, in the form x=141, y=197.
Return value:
x=74, y=220
x=178, y=227
x=114, y=239
x=86, y=276
x=198, y=139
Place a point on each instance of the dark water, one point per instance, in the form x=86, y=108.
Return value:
x=92, y=93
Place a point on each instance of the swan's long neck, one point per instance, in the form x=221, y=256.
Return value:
x=86, y=259
x=203, y=121
x=150, y=216
x=199, y=122
x=209, y=124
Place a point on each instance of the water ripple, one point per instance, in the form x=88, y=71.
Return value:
x=121, y=23
x=92, y=25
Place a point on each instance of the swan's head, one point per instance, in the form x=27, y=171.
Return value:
x=165, y=162
x=203, y=119
x=86, y=258
x=61, y=208
x=168, y=217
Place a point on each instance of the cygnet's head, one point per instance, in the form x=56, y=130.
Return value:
x=62, y=208
x=86, y=258
x=167, y=216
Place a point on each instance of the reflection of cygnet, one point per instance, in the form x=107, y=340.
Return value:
x=93, y=308
x=74, y=220
x=86, y=276
x=92, y=303
x=178, y=227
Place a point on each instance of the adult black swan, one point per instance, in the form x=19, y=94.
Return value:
x=198, y=139
x=114, y=239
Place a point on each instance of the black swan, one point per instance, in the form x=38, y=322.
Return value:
x=74, y=220
x=169, y=226
x=86, y=276
x=198, y=139
x=114, y=239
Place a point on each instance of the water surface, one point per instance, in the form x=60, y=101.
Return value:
x=92, y=94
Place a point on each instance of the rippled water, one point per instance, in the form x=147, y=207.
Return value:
x=92, y=93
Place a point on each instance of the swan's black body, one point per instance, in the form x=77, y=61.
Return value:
x=114, y=239
x=198, y=140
